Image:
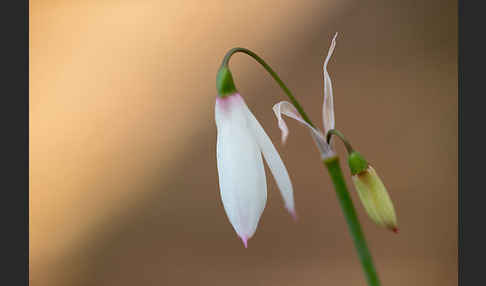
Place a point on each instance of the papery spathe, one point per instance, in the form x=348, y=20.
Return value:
x=289, y=110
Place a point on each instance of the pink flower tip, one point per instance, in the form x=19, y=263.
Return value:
x=245, y=241
x=293, y=214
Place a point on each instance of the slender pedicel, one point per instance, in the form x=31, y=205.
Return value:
x=225, y=83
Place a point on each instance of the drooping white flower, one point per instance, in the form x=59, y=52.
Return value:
x=241, y=142
x=289, y=110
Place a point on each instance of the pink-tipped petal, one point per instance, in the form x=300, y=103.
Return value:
x=245, y=241
x=293, y=213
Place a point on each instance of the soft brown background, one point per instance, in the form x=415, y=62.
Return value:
x=123, y=179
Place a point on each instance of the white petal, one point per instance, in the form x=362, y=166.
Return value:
x=275, y=164
x=240, y=167
x=285, y=107
x=328, y=106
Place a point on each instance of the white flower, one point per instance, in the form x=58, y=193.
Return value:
x=240, y=143
x=288, y=109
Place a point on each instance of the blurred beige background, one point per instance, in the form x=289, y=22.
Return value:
x=123, y=178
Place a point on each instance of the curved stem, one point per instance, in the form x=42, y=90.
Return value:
x=336, y=132
x=354, y=226
x=272, y=73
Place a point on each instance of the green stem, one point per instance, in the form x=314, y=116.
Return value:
x=354, y=226
x=341, y=136
x=294, y=101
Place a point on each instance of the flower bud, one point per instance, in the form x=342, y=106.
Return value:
x=372, y=192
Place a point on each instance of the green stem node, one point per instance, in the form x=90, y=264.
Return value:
x=224, y=82
x=357, y=163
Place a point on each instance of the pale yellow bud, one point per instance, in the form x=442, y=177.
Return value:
x=375, y=198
